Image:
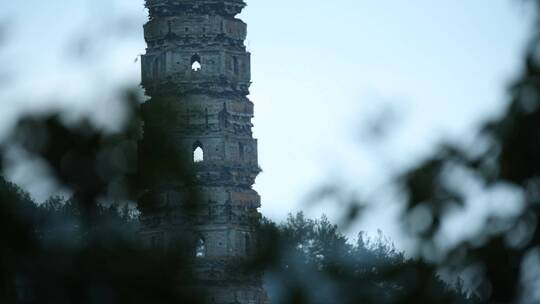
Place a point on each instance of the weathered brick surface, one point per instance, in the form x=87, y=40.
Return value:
x=208, y=109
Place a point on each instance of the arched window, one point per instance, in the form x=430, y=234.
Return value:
x=235, y=65
x=196, y=63
x=200, y=248
x=198, y=152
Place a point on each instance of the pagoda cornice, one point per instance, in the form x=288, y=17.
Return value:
x=160, y=8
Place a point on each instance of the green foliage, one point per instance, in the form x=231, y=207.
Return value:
x=82, y=251
x=507, y=156
x=314, y=263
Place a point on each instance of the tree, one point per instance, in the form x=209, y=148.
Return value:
x=314, y=263
x=77, y=251
x=510, y=159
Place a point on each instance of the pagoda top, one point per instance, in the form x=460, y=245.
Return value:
x=164, y=8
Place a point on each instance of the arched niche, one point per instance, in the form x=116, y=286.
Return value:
x=196, y=64
x=198, y=152
x=200, y=247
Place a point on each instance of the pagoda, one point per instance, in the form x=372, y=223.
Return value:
x=197, y=70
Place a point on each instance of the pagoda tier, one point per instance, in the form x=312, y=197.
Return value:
x=161, y=8
x=195, y=29
x=197, y=72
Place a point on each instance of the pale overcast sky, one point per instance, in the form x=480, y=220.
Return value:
x=322, y=71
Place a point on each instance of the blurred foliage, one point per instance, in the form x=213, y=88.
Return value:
x=506, y=155
x=500, y=264
x=50, y=258
x=85, y=249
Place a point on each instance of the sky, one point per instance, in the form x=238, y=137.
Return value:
x=324, y=73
